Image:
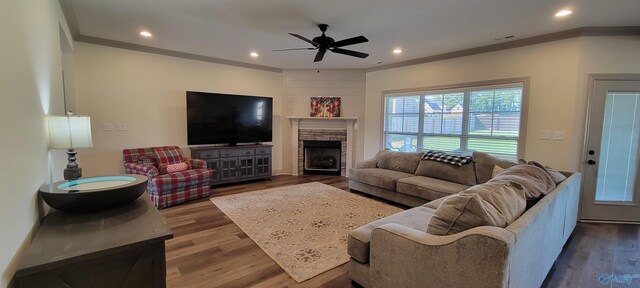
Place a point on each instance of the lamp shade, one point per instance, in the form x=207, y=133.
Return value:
x=68, y=132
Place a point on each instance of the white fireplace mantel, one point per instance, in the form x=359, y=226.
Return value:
x=341, y=123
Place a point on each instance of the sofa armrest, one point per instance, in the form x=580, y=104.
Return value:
x=403, y=257
x=141, y=169
x=197, y=163
x=371, y=163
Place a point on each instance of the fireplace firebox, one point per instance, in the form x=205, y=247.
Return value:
x=322, y=157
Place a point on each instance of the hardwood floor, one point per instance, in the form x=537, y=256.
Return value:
x=209, y=250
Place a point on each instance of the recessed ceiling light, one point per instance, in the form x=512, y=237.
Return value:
x=254, y=54
x=397, y=51
x=146, y=34
x=563, y=13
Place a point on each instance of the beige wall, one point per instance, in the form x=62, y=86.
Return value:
x=147, y=92
x=31, y=87
x=300, y=85
x=557, y=97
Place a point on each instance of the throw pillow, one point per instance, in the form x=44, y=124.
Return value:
x=496, y=170
x=406, y=162
x=176, y=167
x=484, y=164
x=147, y=160
x=534, y=180
x=464, y=174
x=491, y=204
x=168, y=155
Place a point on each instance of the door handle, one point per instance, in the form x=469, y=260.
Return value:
x=591, y=162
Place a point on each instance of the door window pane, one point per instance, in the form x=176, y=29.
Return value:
x=619, y=148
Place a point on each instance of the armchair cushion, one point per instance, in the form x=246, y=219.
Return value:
x=168, y=155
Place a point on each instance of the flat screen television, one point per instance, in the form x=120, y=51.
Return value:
x=215, y=118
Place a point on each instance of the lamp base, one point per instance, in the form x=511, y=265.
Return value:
x=73, y=170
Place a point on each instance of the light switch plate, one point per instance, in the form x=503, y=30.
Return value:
x=545, y=134
x=107, y=127
x=558, y=135
x=121, y=126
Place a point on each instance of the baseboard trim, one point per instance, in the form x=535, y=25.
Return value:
x=12, y=267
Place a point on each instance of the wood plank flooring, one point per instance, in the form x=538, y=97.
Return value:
x=209, y=250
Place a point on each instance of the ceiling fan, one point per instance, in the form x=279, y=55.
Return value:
x=325, y=43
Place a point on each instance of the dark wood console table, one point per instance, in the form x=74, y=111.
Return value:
x=236, y=163
x=119, y=247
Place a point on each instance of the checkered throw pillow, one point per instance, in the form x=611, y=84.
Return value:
x=447, y=158
x=176, y=167
x=167, y=156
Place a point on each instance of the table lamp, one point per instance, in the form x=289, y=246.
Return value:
x=70, y=132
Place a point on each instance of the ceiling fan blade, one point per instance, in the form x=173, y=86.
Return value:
x=350, y=41
x=304, y=39
x=350, y=52
x=292, y=49
x=319, y=56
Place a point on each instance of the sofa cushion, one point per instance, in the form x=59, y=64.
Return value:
x=484, y=164
x=465, y=174
x=427, y=187
x=399, y=161
x=358, y=241
x=382, y=178
x=496, y=203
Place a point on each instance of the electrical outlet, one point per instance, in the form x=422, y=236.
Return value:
x=558, y=135
x=121, y=126
x=107, y=127
x=545, y=134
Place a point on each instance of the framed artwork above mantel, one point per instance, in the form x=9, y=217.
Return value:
x=325, y=107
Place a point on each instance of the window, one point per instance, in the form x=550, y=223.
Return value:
x=461, y=120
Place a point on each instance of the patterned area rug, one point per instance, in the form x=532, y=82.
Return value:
x=302, y=227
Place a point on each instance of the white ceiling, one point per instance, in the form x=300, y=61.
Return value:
x=231, y=29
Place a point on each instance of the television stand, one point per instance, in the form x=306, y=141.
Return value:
x=233, y=164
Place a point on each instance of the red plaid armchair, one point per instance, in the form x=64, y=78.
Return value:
x=171, y=188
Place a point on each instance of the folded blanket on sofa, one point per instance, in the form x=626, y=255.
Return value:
x=535, y=181
x=452, y=159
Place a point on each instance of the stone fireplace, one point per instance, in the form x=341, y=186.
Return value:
x=328, y=143
x=322, y=147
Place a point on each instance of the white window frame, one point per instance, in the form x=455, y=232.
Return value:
x=466, y=88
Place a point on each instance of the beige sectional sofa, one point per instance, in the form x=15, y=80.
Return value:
x=402, y=178
x=396, y=251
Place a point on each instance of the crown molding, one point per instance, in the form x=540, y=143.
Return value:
x=566, y=34
x=69, y=13
x=171, y=53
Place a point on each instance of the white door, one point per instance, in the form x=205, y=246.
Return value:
x=610, y=191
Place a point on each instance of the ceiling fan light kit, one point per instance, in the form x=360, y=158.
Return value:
x=324, y=43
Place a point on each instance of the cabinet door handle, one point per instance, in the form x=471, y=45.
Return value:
x=247, y=153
